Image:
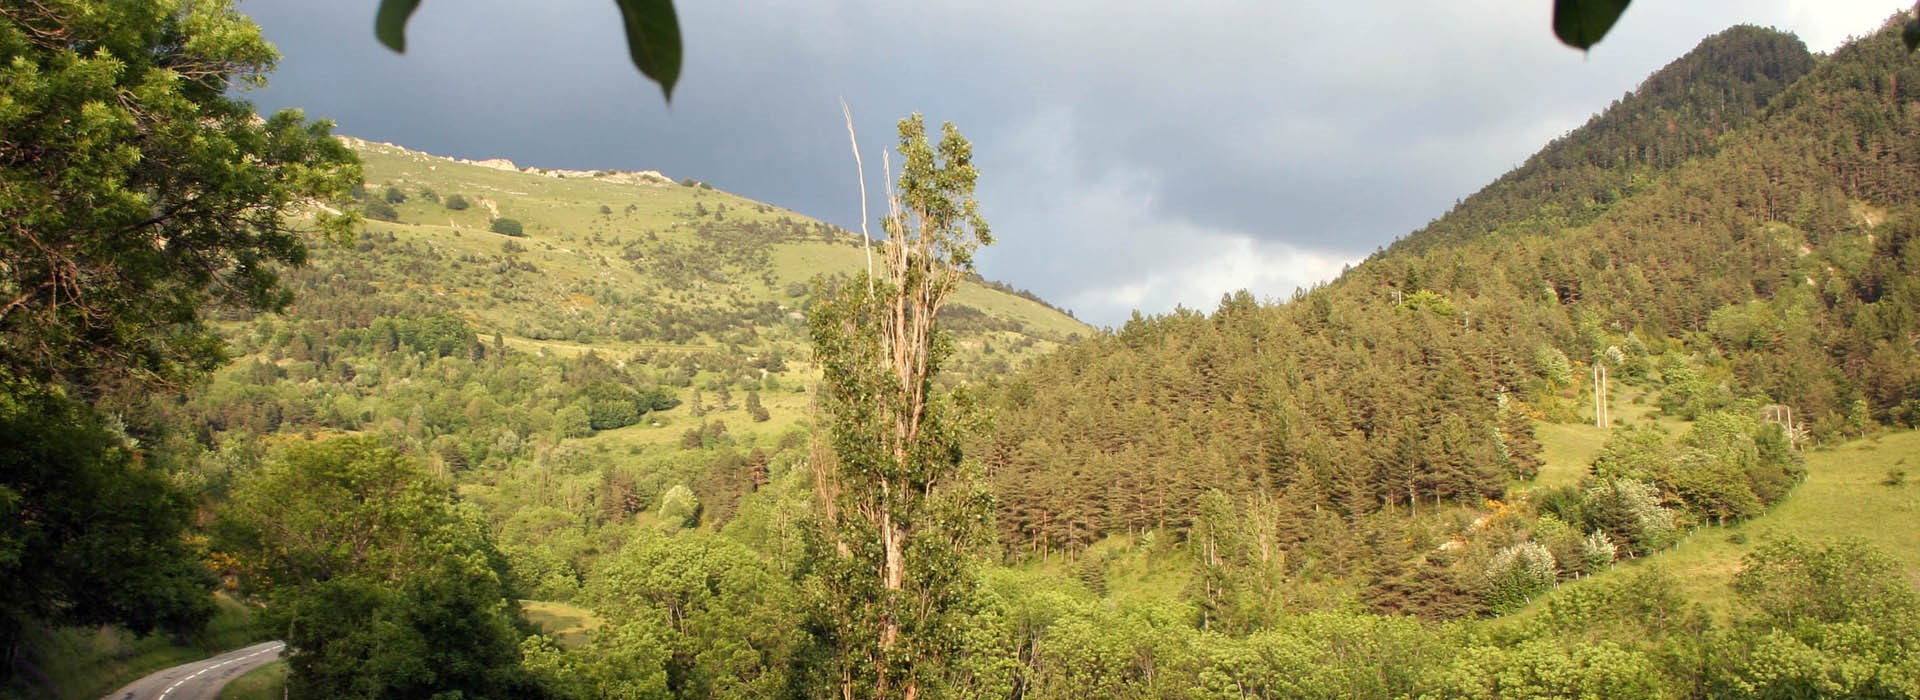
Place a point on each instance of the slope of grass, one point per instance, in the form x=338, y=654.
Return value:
x=1846, y=494
x=576, y=229
x=87, y=663
x=1569, y=448
x=568, y=625
x=622, y=266
x=267, y=682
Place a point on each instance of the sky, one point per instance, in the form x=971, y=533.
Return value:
x=1133, y=155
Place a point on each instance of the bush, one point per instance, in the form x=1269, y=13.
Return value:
x=394, y=195
x=457, y=202
x=509, y=227
x=679, y=508
x=1597, y=552
x=1630, y=513
x=1518, y=573
x=382, y=211
x=1553, y=366
x=755, y=409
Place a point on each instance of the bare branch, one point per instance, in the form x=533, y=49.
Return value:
x=866, y=239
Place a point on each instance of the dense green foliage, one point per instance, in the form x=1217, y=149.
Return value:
x=696, y=615
x=136, y=196
x=134, y=192
x=507, y=227
x=90, y=532
x=383, y=586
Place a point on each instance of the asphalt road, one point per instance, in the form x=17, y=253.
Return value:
x=200, y=680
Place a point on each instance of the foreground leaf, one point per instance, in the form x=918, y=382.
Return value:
x=390, y=24
x=653, y=40
x=1582, y=23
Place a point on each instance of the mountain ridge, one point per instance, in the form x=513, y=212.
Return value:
x=1675, y=114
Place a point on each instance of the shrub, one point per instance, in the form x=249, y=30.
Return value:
x=394, y=195
x=1518, y=573
x=1629, y=511
x=1430, y=301
x=1553, y=366
x=679, y=508
x=755, y=409
x=1597, y=552
x=509, y=227
x=1563, y=540
x=382, y=211
x=457, y=202
x=1638, y=452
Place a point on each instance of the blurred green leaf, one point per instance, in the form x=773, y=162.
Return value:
x=653, y=35
x=390, y=24
x=1582, y=23
x=653, y=40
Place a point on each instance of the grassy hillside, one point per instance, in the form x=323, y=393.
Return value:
x=1860, y=489
x=604, y=243
x=585, y=356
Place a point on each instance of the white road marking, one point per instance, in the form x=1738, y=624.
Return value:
x=196, y=674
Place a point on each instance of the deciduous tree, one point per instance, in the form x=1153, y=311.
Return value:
x=896, y=505
x=382, y=585
x=135, y=192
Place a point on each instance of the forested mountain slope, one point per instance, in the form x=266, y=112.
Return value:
x=1778, y=267
x=1680, y=112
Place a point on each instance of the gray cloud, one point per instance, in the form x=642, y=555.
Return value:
x=1133, y=155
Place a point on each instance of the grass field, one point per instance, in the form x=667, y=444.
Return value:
x=568, y=625
x=1846, y=494
x=267, y=682
x=1569, y=448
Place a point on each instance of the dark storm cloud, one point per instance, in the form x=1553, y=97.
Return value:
x=1132, y=156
